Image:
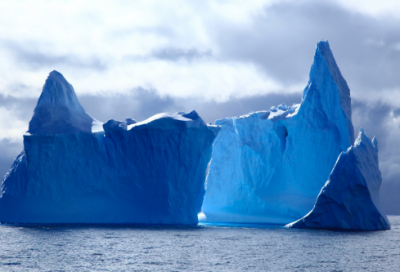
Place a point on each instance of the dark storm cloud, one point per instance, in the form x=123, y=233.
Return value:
x=280, y=41
x=34, y=59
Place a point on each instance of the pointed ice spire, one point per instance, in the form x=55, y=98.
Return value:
x=363, y=139
x=375, y=143
x=328, y=88
x=58, y=110
x=58, y=92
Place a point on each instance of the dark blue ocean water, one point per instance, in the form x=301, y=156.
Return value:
x=203, y=248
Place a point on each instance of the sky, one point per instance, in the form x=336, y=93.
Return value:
x=221, y=58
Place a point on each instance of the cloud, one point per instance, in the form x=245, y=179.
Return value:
x=396, y=113
x=142, y=104
x=174, y=54
x=373, y=119
x=381, y=8
x=280, y=41
x=34, y=59
x=211, y=50
x=139, y=104
x=389, y=196
x=9, y=151
x=378, y=119
x=258, y=48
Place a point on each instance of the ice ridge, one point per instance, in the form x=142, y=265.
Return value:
x=350, y=197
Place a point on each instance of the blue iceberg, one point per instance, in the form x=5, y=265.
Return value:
x=350, y=197
x=269, y=166
x=74, y=169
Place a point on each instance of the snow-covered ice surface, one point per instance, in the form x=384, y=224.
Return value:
x=151, y=172
x=269, y=166
x=350, y=198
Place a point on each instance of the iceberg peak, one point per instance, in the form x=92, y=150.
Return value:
x=362, y=139
x=57, y=91
x=58, y=110
x=324, y=50
x=329, y=90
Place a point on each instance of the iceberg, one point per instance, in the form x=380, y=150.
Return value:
x=350, y=198
x=269, y=166
x=74, y=169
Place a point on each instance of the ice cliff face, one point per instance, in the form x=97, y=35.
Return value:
x=151, y=172
x=350, y=197
x=269, y=166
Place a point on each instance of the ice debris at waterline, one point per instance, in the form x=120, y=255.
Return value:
x=350, y=198
x=269, y=166
x=73, y=171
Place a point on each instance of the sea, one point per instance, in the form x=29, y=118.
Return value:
x=223, y=247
